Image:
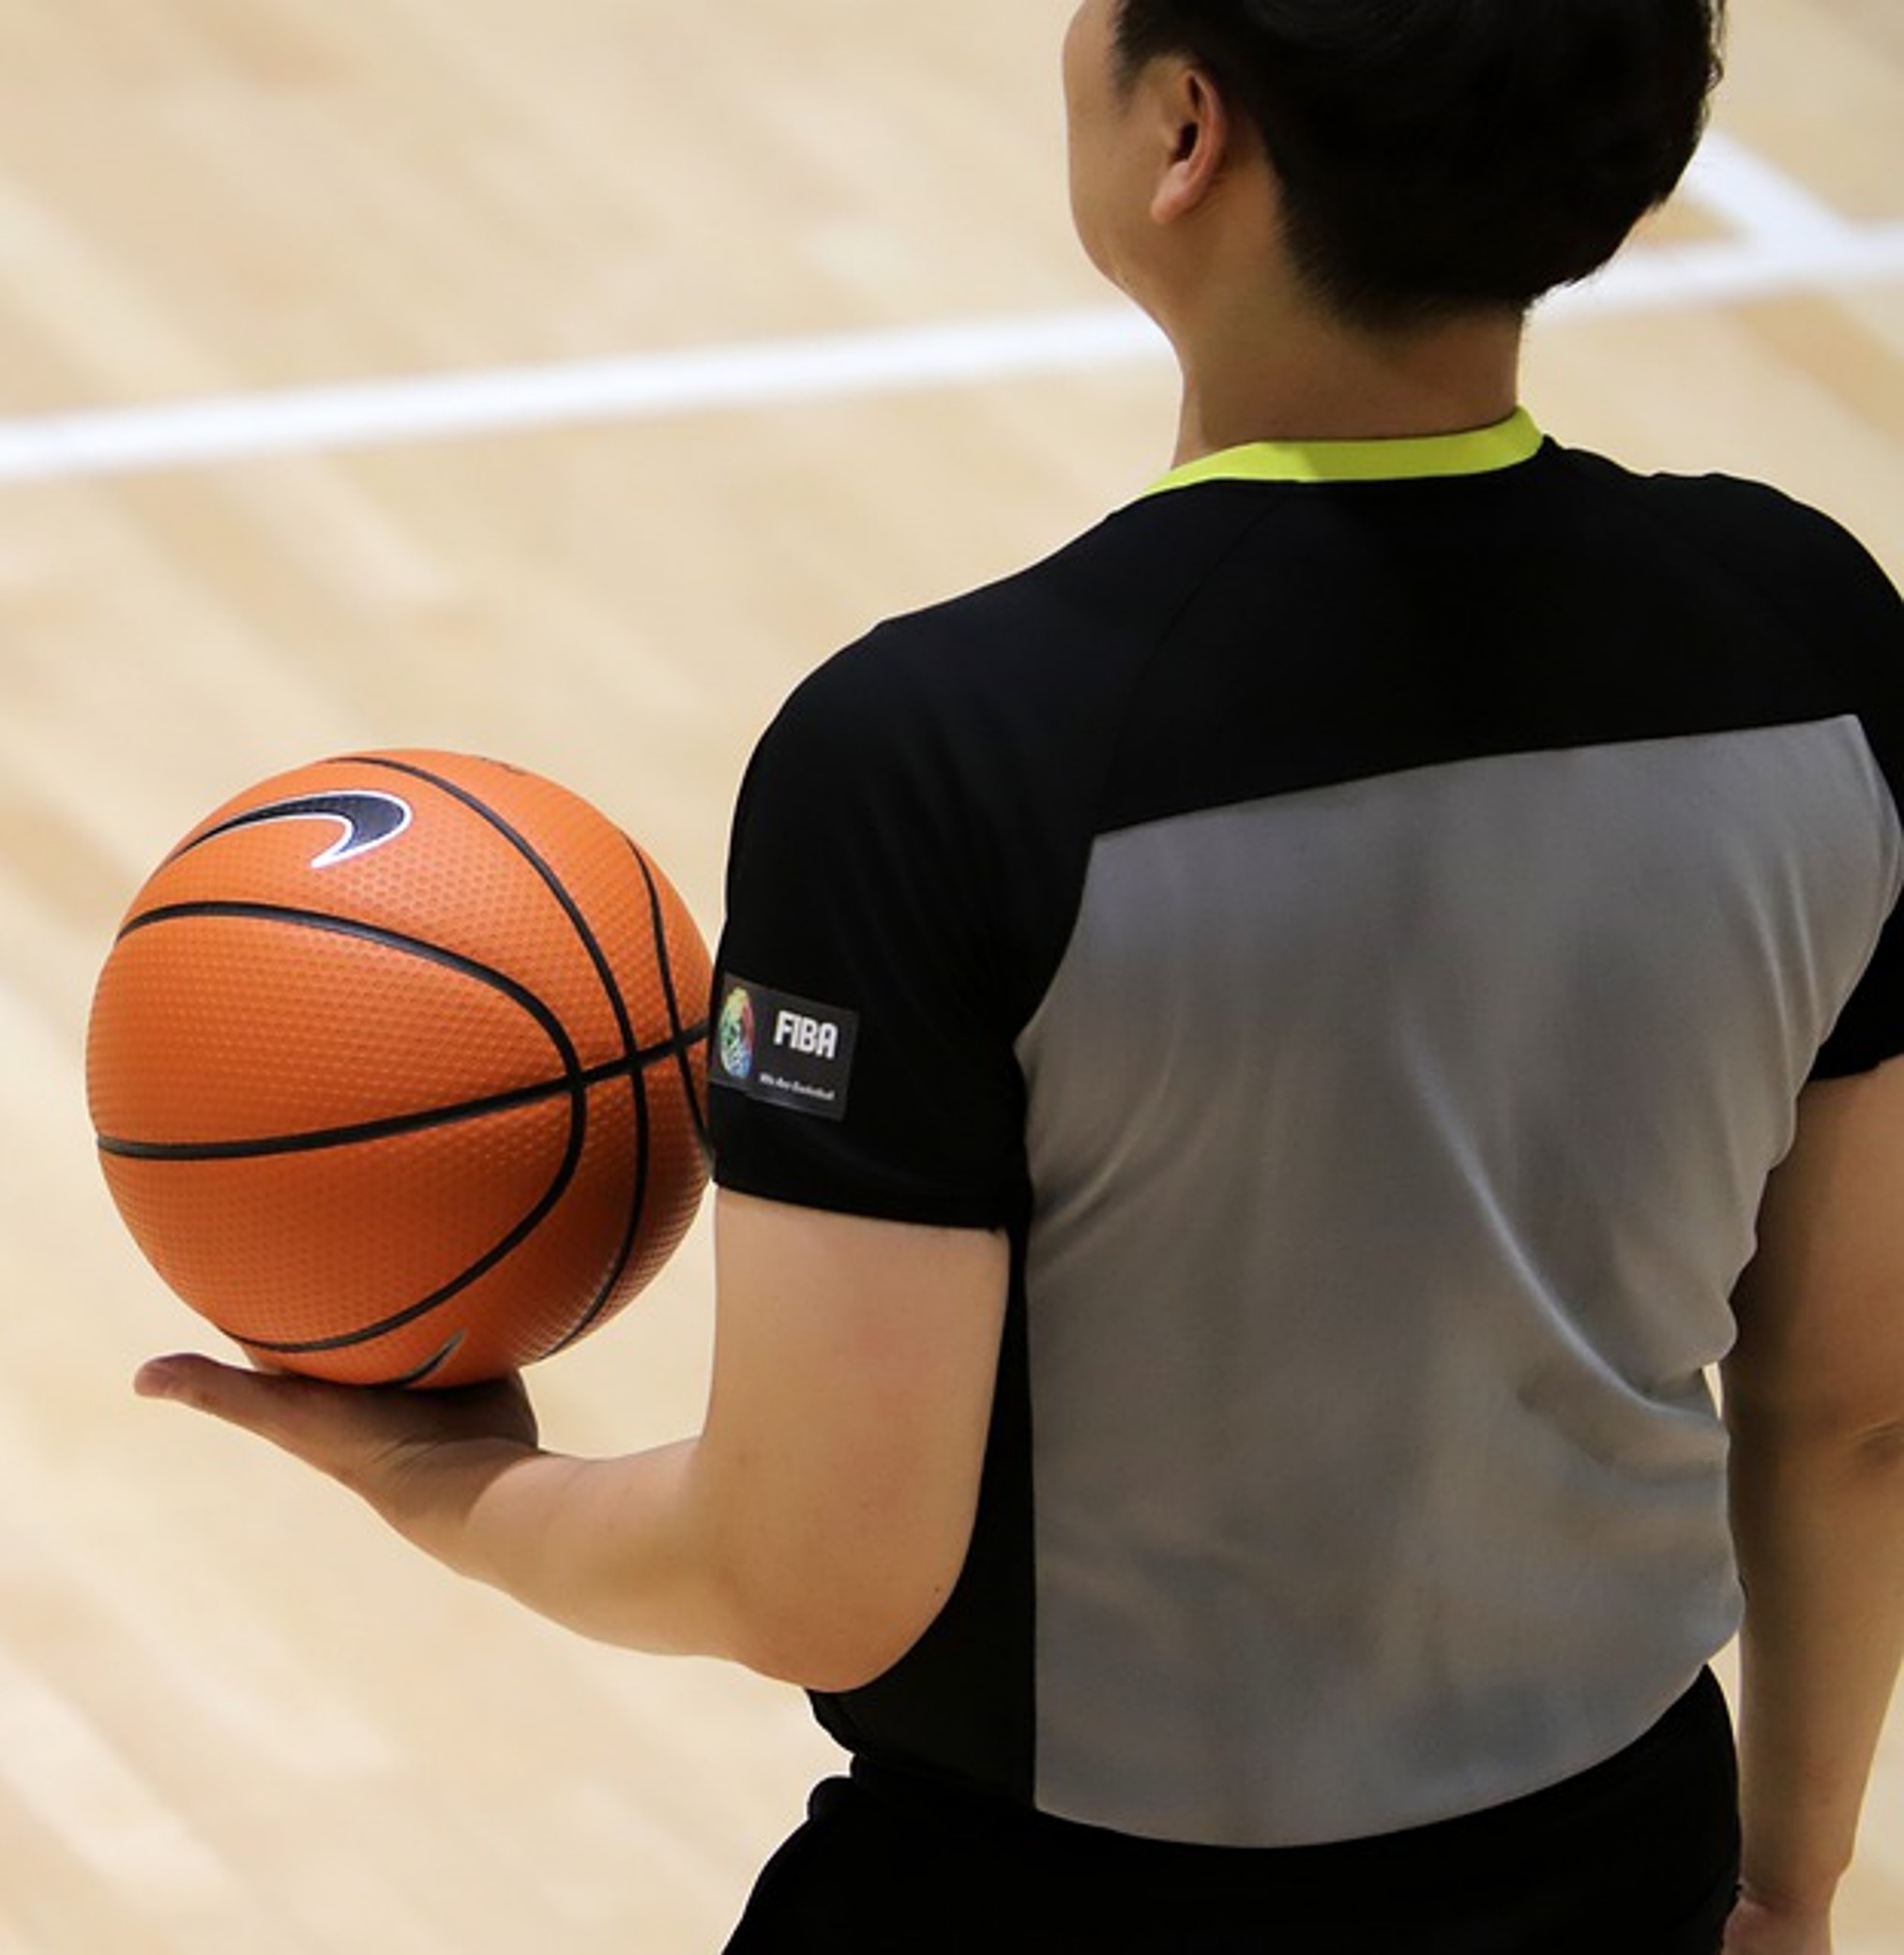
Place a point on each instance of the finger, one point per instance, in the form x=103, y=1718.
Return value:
x=187, y=1379
x=298, y=1414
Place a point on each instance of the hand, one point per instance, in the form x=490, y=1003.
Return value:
x=422, y=1458
x=1762, y=1928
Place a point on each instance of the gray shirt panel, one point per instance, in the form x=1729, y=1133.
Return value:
x=1396, y=1148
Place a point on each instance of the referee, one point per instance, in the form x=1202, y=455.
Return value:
x=1260, y=1063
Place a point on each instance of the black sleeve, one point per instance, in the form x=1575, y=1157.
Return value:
x=862, y=1059
x=1860, y=632
x=1871, y=1029
x=1837, y=602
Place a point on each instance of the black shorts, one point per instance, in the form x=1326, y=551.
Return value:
x=1637, y=1856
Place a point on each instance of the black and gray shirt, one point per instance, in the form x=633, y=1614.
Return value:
x=1360, y=918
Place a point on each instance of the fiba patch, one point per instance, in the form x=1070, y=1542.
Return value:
x=784, y=1051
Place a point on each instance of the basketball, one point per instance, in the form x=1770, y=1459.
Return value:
x=396, y=1068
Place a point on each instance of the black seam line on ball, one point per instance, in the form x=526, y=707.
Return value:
x=658, y=927
x=397, y=1125
x=612, y=990
x=296, y=918
x=658, y=933
x=419, y=1372
x=605, y=977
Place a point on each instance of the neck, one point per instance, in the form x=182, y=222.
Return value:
x=1305, y=377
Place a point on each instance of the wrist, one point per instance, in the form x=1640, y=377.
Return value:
x=438, y=1499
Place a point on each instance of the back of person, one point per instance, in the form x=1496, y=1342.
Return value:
x=1413, y=883
x=1479, y=870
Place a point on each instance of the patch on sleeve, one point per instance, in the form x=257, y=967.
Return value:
x=785, y=1051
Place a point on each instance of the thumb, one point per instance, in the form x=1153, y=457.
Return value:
x=301, y=1414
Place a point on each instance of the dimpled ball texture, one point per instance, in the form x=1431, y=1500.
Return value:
x=397, y=1068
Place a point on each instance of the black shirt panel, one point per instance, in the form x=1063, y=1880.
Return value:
x=913, y=832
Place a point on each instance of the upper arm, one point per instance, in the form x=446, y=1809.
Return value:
x=1821, y=1307
x=867, y=1114
x=846, y=1431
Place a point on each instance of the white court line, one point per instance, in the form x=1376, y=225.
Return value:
x=1728, y=273
x=1759, y=201
x=1789, y=242
x=645, y=387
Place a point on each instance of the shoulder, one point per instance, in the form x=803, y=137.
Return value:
x=1033, y=662
x=946, y=770
x=1794, y=558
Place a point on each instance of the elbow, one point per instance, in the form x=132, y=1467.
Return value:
x=1861, y=1416
x=831, y=1644
x=829, y=1670
x=1860, y=1436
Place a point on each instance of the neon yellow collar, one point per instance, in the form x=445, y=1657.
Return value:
x=1479, y=451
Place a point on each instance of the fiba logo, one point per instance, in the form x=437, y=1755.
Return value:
x=812, y=1037
x=782, y=1050
x=738, y=1034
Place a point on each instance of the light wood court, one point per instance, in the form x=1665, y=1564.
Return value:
x=236, y=1719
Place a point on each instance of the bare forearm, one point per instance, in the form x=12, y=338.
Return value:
x=664, y=1552
x=622, y=1549
x=612, y=1549
x=1820, y=1524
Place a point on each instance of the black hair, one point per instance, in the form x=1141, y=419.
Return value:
x=1440, y=157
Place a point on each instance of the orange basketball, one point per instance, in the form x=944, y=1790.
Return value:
x=397, y=1068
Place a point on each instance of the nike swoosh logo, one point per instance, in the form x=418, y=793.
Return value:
x=368, y=820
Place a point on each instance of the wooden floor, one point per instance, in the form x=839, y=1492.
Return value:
x=234, y=1717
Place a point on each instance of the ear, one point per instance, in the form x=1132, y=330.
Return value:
x=1199, y=139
